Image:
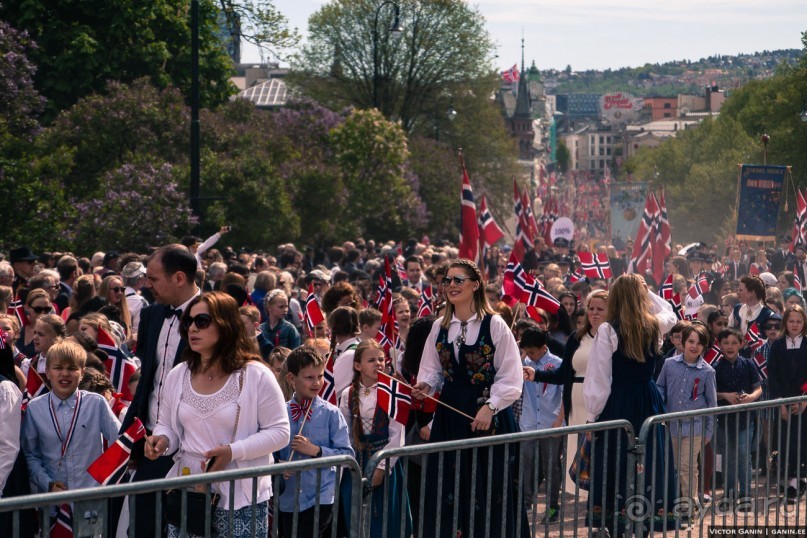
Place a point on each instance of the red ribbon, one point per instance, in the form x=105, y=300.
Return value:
x=695, y=389
x=297, y=410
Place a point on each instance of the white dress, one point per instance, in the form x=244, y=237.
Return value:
x=577, y=415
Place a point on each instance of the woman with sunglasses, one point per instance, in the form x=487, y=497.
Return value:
x=48, y=330
x=113, y=290
x=471, y=352
x=36, y=304
x=223, y=409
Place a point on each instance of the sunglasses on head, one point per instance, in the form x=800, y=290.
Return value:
x=458, y=280
x=42, y=309
x=202, y=321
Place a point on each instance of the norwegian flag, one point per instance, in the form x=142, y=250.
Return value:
x=469, y=228
x=642, y=254
x=662, y=246
x=514, y=282
x=394, y=397
x=389, y=325
x=401, y=272
x=426, y=302
x=524, y=239
x=700, y=287
x=510, y=76
x=713, y=355
x=536, y=295
x=384, y=286
x=16, y=308
x=110, y=467
x=666, y=289
x=796, y=279
x=119, y=367
x=490, y=232
x=675, y=302
x=548, y=218
x=799, y=222
x=762, y=364
x=63, y=525
x=526, y=202
x=574, y=276
x=313, y=313
x=595, y=265
x=34, y=385
x=328, y=390
x=754, y=337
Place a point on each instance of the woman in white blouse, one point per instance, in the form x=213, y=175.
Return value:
x=472, y=359
x=222, y=409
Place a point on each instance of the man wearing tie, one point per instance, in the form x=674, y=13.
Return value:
x=735, y=269
x=800, y=262
x=780, y=256
x=170, y=273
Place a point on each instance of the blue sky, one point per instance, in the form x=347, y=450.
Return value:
x=588, y=34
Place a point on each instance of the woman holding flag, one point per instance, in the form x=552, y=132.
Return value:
x=472, y=357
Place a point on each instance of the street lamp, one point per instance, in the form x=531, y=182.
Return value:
x=195, y=166
x=395, y=30
x=451, y=113
x=803, y=114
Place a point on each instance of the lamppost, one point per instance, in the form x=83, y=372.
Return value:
x=803, y=114
x=395, y=31
x=195, y=166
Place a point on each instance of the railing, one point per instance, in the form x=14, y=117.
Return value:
x=500, y=461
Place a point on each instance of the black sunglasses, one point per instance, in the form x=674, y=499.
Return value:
x=458, y=280
x=42, y=309
x=776, y=326
x=202, y=321
x=117, y=289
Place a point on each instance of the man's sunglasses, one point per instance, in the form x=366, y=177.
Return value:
x=202, y=321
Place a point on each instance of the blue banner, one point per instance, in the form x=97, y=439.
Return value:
x=627, y=209
x=760, y=198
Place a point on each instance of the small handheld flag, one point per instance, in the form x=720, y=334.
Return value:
x=110, y=467
x=394, y=397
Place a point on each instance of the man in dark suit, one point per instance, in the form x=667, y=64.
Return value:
x=67, y=266
x=798, y=263
x=780, y=256
x=170, y=273
x=735, y=268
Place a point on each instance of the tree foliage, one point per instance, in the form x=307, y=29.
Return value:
x=444, y=43
x=83, y=44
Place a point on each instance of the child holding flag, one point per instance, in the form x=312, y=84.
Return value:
x=371, y=430
x=317, y=429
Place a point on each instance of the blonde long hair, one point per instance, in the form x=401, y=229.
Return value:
x=629, y=307
x=123, y=306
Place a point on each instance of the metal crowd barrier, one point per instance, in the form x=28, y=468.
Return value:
x=569, y=524
x=750, y=453
x=90, y=505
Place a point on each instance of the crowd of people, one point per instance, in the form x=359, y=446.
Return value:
x=230, y=375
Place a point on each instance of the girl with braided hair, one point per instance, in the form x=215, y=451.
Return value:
x=371, y=430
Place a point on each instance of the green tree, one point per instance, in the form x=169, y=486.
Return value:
x=563, y=156
x=372, y=154
x=83, y=44
x=444, y=42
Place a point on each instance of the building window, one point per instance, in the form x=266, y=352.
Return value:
x=667, y=105
x=602, y=140
x=668, y=115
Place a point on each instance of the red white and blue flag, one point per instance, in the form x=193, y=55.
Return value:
x=799, y=234
x=700, y=287
x=796, y=279
x=16, y=308
x=489, y=231
x=524, y=238
x=510, y=76
x=675, y=302
x=762, y=364
x=514, y=281
x=313, y=313
x=754, y=337
x=665, y=291
x=63, y=524
x=328, y=390
x=34, y=385
x=713, y=355
x=536, y=295
x=394, y=397
x=426, y=302
x=119, y=367
x=469, y=228
x=110, y=467
x=642, y=254
x=595, y=265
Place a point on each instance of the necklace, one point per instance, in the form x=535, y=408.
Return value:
x=463, y=332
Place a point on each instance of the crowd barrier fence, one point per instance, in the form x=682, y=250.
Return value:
x=752, y=436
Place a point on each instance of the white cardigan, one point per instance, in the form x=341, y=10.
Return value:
x=263, y=425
